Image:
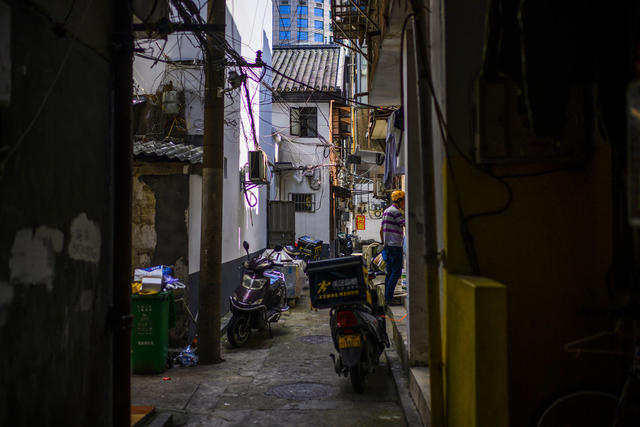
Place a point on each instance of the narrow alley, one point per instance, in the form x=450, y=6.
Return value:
x=458, y=177
x=284, y=380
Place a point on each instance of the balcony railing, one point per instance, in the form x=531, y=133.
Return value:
x=354, y=21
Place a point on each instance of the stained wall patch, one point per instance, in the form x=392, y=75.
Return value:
x=32, y=259
x=85, y=239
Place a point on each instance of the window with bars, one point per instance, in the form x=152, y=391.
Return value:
x=303, y=202
x=304, y=122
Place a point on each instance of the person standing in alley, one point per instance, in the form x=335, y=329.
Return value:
x=391, y=234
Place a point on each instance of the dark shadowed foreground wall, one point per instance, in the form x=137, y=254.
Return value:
x=56, y=211
x=552, y=229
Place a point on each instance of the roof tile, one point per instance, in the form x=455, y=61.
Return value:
x=182, y=152
x=309, y=65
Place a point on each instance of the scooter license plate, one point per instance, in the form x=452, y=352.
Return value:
x=348, y=341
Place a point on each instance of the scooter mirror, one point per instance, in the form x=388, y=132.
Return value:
x=245, y=245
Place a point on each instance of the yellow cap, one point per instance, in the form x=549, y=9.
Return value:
x=397, y=195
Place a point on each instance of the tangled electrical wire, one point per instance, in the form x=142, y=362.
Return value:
x=188, y=12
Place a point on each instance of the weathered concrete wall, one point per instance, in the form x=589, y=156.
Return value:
x=166, y=225
x=56, y=214
x=160, y=215
x=160, y=224
x=144, y=236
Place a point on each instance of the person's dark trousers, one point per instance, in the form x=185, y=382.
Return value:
x=394, y=270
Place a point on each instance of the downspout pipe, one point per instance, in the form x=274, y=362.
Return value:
x=120, y=316
x=421, y=41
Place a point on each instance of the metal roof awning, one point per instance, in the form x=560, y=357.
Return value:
x=175, y=151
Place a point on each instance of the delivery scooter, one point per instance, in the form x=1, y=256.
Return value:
x=359, y=336
x=356, y=318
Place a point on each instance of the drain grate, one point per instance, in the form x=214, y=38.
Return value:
x=315, y=339
x=302, y=391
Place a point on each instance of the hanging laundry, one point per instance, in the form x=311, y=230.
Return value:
x=401, y=159
x=394, y=137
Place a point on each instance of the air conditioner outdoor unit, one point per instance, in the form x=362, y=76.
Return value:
x=258, y=167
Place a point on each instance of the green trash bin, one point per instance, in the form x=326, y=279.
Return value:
x=153, y=315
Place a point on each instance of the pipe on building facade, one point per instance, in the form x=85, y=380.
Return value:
x=421, y=40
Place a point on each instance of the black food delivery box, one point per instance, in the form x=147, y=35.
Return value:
x=337, y=281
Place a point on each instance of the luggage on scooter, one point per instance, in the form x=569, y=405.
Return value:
x=310, y=248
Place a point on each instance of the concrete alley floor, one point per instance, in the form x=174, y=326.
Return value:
x=284, y=380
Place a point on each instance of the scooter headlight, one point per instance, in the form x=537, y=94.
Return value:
x=253, y=283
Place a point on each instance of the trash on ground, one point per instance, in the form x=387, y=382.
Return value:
x=186, y=357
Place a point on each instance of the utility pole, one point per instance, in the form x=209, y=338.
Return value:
x=211, y=237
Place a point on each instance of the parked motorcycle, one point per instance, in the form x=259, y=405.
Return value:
x=293, y=251
x=356, y=317
x=345, y=244
x=260, y=298
x=359, y=336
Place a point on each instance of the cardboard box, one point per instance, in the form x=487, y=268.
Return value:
x=152, y=284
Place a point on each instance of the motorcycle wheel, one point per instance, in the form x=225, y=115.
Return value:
x=356, y=373
x=238, y=330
